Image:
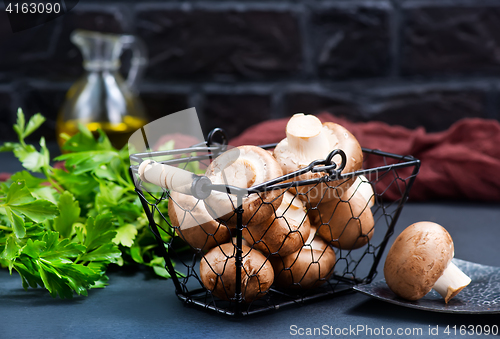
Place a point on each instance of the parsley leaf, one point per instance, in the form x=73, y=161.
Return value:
x=125, y=235
x=48, y=262
x=19, y=201
x=69, y=211
x=62, y=229
x=16, y=222
x=98, y=240
x=10, y=252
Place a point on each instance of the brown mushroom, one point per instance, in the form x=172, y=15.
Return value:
x=346, y=223
x=243, y=167
x=283, y=233
x=307, y=268
x=218, y=273
x=307, y=139
x=420, y=260
x=194, y=224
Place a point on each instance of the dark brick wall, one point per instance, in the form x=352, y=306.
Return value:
x=406, y=62
x=214, y=44
x=440, y=40
x=351, y=42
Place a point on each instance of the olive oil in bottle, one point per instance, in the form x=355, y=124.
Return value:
x=101, y=98
x=118, y=133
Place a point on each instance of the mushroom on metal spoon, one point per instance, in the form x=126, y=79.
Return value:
x=420, y=260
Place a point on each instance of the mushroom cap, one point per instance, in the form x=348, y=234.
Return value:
x=346, y=223
x=338, y=138
x=194, y=224
x=417, y=258
x=284, y=232
x=218, y=272
x=309, y=267
x=253, y=166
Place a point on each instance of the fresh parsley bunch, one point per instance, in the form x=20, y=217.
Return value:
x=62, y=228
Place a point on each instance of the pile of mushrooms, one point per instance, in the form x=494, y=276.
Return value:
x=288, y=235
x=278, y=224
x=420, y=260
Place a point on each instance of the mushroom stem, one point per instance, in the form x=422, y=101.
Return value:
x=306, y=137
x=451, y=282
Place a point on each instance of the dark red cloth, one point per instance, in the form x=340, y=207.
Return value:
x=461, y=163
x=4, y=176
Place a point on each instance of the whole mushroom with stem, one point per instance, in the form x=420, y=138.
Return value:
x=307, y=140
x=243, y=167
x=420, y=260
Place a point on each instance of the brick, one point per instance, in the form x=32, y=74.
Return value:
x=315, y=103
x=220, y=45
x=351, y=42
x=441, y=40
x=235, y=112
x=434, y=109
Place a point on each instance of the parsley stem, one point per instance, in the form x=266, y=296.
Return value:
x=51, y=181
x=125, y=183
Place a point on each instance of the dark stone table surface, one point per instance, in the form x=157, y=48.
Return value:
x=137, y=305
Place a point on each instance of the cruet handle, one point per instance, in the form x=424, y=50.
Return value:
x=139, y=58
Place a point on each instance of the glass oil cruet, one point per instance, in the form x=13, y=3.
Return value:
x=101, y=98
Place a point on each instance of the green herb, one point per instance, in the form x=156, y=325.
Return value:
x=62, y=228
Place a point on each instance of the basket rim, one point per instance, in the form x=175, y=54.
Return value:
x=279, y=182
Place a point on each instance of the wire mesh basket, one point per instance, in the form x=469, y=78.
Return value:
x=215, y=272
